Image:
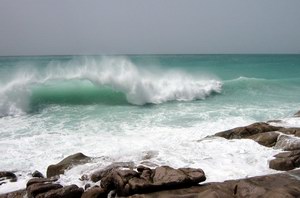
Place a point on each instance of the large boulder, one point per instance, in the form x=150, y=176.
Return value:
x=71, y=191
x=276, y=185
x=95, y=192
x=39, y=188
x=286, y=161
x=99, y=174
x=247, y=131
x=67, y=163
x=126, y=182
x=268, y=139
x=15, y=194
x=288, y=143
x=47, y=188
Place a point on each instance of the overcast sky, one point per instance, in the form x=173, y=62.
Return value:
x=56, y=27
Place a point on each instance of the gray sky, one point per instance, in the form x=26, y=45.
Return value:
x=55, y=27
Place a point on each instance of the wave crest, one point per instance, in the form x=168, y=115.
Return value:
x=139, y=85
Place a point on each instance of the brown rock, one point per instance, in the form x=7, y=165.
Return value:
x=166, y=175
x=71, y=191
x=95, y=192
x=291, y=131
x=15, y=194
x=127, y=182
x=146, y=175
x=287, y=143
x=266, y=139
x=118, y=181
x=247, y=131
x=99, y=174
x=38, y=188
x=281, y=164
x=286, y=160
x=72, y=160
x=276, y=185
x=40, y=180
x=194, y=175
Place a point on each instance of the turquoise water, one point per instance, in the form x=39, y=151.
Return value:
x=122, y=107
x=41, y=82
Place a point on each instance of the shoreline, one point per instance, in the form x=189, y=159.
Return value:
x=269, y=134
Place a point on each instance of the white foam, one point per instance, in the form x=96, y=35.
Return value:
x=51, y=138
x=139, y=85
x=288, y=122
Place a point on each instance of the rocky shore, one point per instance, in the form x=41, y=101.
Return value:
x=127, y=179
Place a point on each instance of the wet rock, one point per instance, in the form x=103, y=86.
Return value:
x=247, y=131
x=268, y=139
x=276, y=185
x=95, y=192
x=37, y=174
x=163, y=175
x=118, y=180
x=87, y=186
x=291, y=131
x=72, y=160
x=194, y=175
x=286, y=160
x=40, y=180
x=36, y=186
x=263, y=133
x=141, y=168
x=287, y=143
x=126, y=182
x=15, y=194
x=45, y=188
x=98, y=175
x=71, y=191
x=6, y=175
x=39, y=188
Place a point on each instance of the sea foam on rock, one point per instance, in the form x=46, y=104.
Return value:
x=6, y=176
x=271, y=136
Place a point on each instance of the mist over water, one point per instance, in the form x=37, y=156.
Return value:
x=125, y=108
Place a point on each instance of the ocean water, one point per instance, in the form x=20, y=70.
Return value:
x=151, y=109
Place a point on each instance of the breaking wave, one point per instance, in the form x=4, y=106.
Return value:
x=110, y=80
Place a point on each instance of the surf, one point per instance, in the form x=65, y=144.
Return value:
x=108, y=80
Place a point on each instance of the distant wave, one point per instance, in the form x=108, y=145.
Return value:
x=90, y=80
x=245, y=79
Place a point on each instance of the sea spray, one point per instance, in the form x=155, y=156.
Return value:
x=139, y=85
